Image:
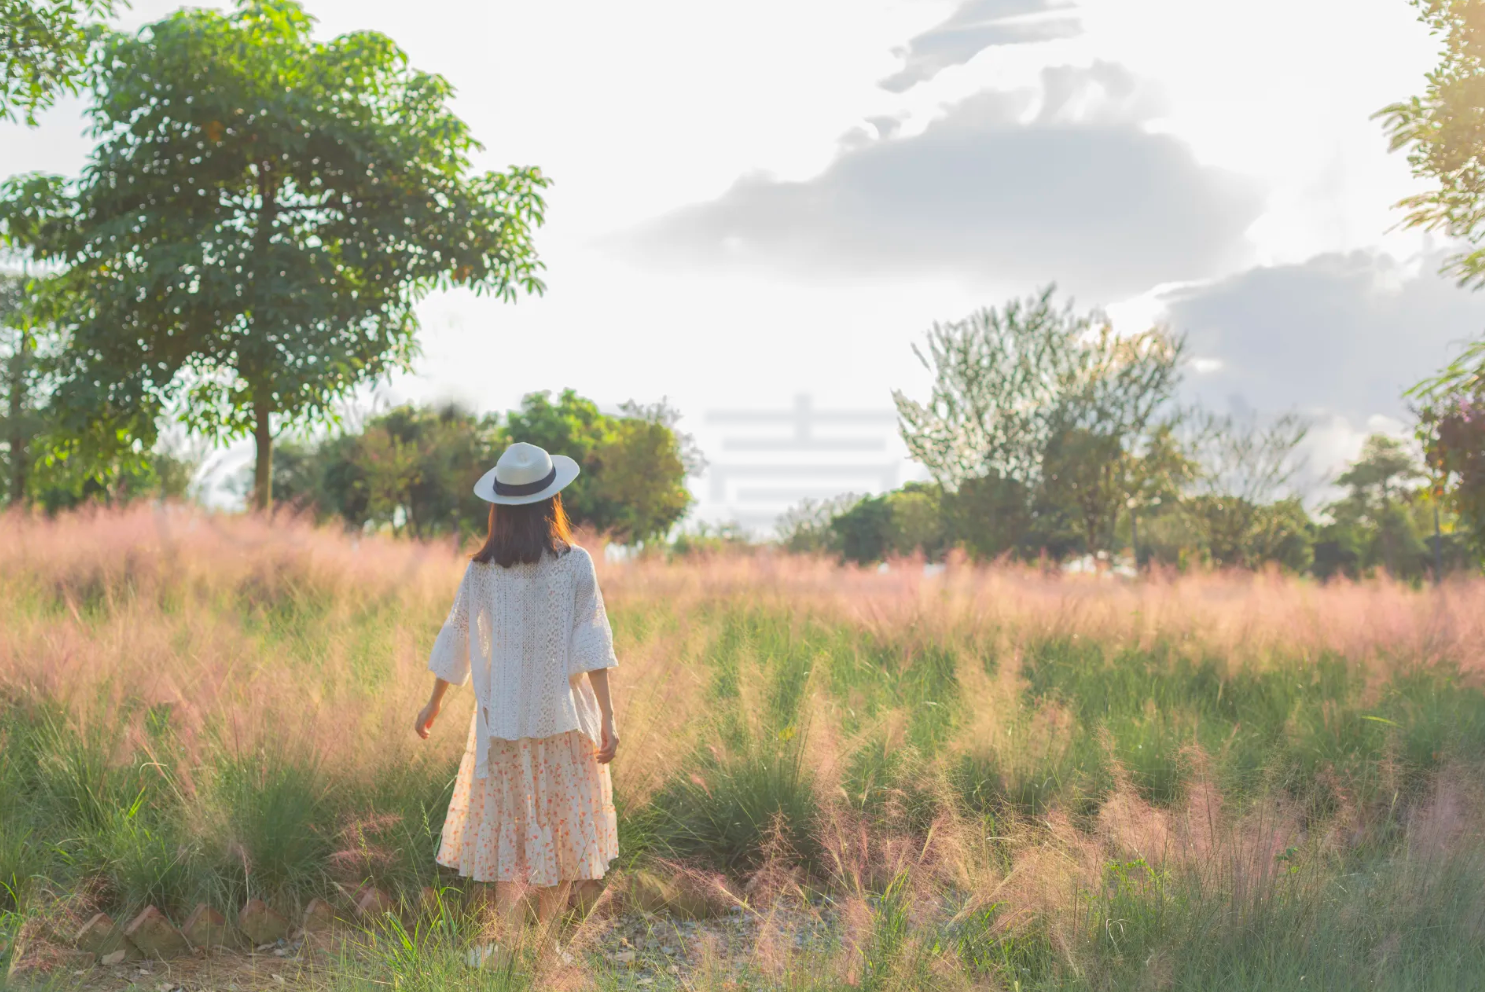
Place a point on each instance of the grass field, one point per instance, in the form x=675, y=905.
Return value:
x=976, y=779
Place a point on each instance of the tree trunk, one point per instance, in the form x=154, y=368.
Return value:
x=1134, y=538
x=1438, y=545
x=257, y=377
x=263, y=468
x=19, y=456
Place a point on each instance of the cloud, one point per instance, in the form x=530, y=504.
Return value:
x=1006, y=189
x=1338, y=334
x=975, y=26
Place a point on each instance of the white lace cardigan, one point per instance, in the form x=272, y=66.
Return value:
x=536, y=628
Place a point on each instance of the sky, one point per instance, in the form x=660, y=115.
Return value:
x=758, y=209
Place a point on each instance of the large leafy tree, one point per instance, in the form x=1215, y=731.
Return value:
x=1442, y=134
x=1048, y=403
x=41, y=466
x=43, y=51
x=258, y=221
x=633, y=484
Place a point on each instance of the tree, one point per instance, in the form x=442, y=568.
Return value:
x=414, y=468
x=1245, y=465
x=1442, y=135
x=260, y=217
x=43, y=51
x=1044, y=398
x=1377, y=480
x=641, y=467
x=1381, y=472
x=901, y=522
x=998, y=377
x=805, y=528
x=1446, y=148
x=1451, y=424
x=410, y=468
x=1116, y=386
x=1157, y=475
x=864, y=532
x=19, y=413
x=633, y=483
x=1378, y=521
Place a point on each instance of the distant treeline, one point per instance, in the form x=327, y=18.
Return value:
x=412, y=469
x=1383, y=522
x=1048, y=436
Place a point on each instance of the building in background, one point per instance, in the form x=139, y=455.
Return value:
x=762, y=461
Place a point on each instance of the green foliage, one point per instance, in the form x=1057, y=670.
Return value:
x=634, y=466
x=901, y=522
x=1380, y=521
x=1049, y=400
x=703, y=538
x=414, y=468
x=864, y=532
x=806, y=527
x=43, y=50
x=288, y=203
x=1451, y=425
x=1440, y=131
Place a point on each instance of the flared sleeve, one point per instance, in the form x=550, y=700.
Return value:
x=592, y=644
x=449, y=659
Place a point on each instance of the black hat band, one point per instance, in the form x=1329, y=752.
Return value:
x=524, y=488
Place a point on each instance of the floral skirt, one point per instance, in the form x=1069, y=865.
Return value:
x=544, y=814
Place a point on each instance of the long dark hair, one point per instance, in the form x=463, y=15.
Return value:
x=526, y=532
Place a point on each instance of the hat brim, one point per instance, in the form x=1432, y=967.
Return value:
x=566, y=469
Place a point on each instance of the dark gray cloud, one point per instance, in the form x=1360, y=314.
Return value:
x=1340, y=334
x=975, y=26
x=1094, y=202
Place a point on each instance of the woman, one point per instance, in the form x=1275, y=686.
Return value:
x=533, y=804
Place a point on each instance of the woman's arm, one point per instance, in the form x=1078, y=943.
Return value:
x=424, y=726
x=598, y=678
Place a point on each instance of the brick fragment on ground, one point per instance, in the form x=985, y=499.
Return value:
x=319, y=916
x=101, y=936
x=155, y=936
x=206, y=928
x=261, y=923
x=374, y=903
x=355, y=894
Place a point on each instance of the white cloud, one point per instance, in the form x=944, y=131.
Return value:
x=1078, y=194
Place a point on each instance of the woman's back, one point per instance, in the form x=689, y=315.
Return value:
x=520, y=634
x=532, y=802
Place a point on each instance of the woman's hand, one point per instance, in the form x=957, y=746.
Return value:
x=424, y=725
x=610, y=742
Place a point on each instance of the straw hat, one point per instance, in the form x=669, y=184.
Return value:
x=525, y=474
